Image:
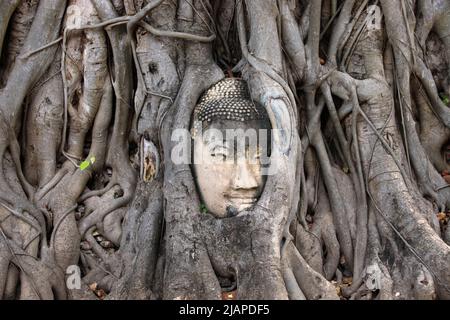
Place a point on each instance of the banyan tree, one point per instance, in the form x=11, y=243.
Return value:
x=119, y=178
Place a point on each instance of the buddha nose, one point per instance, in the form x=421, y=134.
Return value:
x=243, y=177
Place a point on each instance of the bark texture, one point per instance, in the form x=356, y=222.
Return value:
x=93, y=206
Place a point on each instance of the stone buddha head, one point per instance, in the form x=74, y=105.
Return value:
x=231, y=148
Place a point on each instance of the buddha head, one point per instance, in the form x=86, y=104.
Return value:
x=231, y=148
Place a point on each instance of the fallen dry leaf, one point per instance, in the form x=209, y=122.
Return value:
x=347, y=280
x=93, y=286
x=441, y=216
x=231, y=295
x=100, y=293
x=339, y=291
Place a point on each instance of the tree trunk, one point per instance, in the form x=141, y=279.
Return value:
x=94, y=205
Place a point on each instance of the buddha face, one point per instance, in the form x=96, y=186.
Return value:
x=228, y=165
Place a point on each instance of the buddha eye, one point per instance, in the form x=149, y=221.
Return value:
x=219, y=156
x=258, y=154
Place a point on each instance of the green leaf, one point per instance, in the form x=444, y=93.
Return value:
x=84, y=165
x=445, y=99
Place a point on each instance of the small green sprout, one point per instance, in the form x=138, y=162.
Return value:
x=203, y=208
x=445, y=99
